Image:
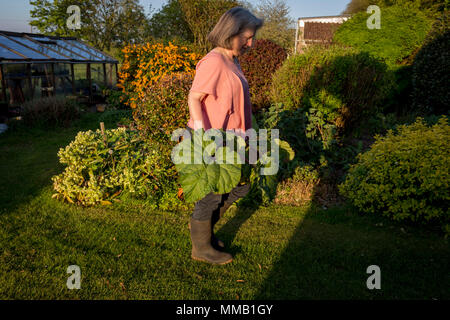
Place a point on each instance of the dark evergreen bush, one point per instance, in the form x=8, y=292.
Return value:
x=431, y=72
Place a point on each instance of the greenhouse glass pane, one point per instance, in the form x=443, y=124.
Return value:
x=21, y=49
x=15, y=70
x=65, y=52
x=62, y=69
x=110, y=74
x=85, y=47
x=40, y=48
x=59, y=49
x=83, y=53
x=6, y=54
x=41, y=69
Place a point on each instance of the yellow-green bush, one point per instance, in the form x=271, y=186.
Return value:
x=405, y=175
x=101, y=168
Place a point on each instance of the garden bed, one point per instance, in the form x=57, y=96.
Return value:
x=127, y=251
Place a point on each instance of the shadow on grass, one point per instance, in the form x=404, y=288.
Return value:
x=230, y=229
x=330, y=250
x=28, y=159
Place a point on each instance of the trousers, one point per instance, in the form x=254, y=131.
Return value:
x=204, y=208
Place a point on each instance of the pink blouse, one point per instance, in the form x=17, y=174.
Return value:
x=227, y=103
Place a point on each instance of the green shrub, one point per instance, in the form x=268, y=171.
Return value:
x=340, y=86
x=289, y=82
x=403, y=30
x=431, y=73
x=50, y=111
x=405, y=174
x=99, y=172
x=258, y=66
x=164, y=108
x=323, y=97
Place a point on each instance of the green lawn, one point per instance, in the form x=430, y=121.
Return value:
x=127, y=251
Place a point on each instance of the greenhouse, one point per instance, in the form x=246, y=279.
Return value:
x=34, y=66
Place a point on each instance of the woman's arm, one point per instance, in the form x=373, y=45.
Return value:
x=195, y=108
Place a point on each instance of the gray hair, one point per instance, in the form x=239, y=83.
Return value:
x=233, y=22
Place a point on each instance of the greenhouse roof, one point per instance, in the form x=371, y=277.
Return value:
x=35, y=48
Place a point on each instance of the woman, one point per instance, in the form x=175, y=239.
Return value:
x=219, y=98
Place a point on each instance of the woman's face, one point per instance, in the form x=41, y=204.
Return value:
x=243, y=42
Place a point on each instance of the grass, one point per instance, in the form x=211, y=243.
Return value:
x=127, y=251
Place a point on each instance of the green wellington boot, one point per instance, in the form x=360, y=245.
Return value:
x=202, y=249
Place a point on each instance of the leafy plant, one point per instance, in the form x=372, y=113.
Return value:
x=222, y=172
x=102, y=168
x=404, y=175
x=322, y=116
x=199, y=178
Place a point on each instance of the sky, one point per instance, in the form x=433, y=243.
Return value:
x=15, y=14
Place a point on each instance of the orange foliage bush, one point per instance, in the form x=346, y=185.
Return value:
x=145, y=64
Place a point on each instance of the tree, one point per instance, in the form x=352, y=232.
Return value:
x=202, y=16
x=278, y=25
x=169, y=23
x=50, y=17
x=104, y=23
x=356, y=6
